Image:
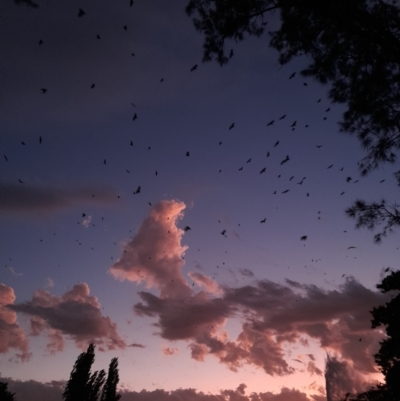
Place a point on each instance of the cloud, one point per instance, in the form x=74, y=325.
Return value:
x=13, y=272
x=36, y=391
x=207, y=283
x=86, y=221
x=155, y=253
x=275, y=317
x=170, y=351
x=11, y=334
x=30, y=199
x=32, y=390
x=76, y=314
x=137, y=345
x=49, y=282
x=246, y=272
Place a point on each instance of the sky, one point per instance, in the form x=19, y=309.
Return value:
x=184, y=217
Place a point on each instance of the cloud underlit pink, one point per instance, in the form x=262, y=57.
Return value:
x=11, y=334
x=155, y=253
x=76, y=314
x=275, y=317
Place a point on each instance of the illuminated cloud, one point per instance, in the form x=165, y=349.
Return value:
x=155, y=253
x=11, y=334
x=338, y=319
x=274, y=316
x=207, y=283
x=30, y=199
x=76, y=314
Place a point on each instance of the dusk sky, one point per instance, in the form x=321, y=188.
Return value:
x=188, y=220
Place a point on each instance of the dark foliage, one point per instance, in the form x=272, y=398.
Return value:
x=95, y=384
x=110, y=386
x=388, y=357
x=5, y=395
x=353, y=47
x=78, y=387
x=371, y=215
x=86, y=386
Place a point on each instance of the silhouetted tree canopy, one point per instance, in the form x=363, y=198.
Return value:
x=86, y=386
x=78, y=387
x=110, y=386
x=5, y=395
x=95, y=384
x=353, y=47
x=388, y=357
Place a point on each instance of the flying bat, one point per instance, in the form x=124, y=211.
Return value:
x=285, y=160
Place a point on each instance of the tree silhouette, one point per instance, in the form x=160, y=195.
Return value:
x=388, y=357
x=79, y=386
x=86, y=386
x=95, y=384
x=5, y=395
x=353, y=46
x=110, y=386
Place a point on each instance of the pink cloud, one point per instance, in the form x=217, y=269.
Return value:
x=170, y=351
x=11, y=334
x=76, y=314
x=206, y=282
x=274, y=316
x=155, y=254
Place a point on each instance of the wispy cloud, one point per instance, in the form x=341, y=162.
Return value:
x=136, y=345
x=28, y=198
x=170, y=351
